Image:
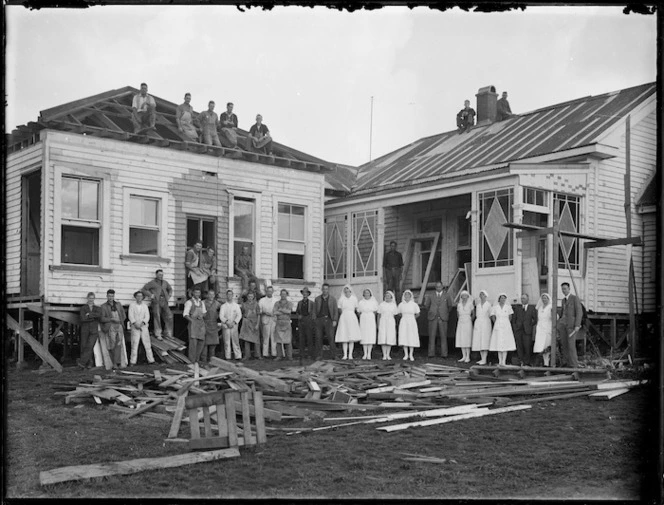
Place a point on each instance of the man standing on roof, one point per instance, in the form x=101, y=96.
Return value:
x=209, y=122
x=259, y=137
x=503, y=110
x=143, y=108
x=184, y=117
x=228, y=122
x=159, y=292
x=392, y=266
x=465, y=117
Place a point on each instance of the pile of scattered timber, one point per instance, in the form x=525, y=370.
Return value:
x=392, y=395
x=330, y=388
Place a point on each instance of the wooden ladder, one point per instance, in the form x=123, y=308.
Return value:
x=222, y=405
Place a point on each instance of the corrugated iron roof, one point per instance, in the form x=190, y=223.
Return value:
x=108, y=115
x=548, y=130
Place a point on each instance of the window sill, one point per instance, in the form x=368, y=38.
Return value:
x=295, y=282
x=80, y=268
x=144, y=257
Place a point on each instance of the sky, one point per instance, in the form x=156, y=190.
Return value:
x=343, y=87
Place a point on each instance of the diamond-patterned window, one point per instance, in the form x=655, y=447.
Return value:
x=568, y=212
x=496, y=240
x=364, y=243
x=335, y=247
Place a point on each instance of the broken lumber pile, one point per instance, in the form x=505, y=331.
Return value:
x=169, y=350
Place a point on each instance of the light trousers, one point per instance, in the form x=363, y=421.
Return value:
x=231, y=337
x=268, y=331
x=137, y=336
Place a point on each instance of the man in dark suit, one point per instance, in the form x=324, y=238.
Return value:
x=569, y=325
x=523, y=324
x=326, y=314
x=438, y=308
x=305, y=324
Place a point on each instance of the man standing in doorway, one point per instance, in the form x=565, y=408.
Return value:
x=392, y=268
x=196, y=278
x=438, y=308
x=569, y=325
x=159, y=292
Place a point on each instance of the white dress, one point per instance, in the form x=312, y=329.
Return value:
x=367, y=310
x=543, y=330
x=482, y=328
x=348, y=328
x=502, y=337
x=408, y=334
x=387, y=327
x=464, y=330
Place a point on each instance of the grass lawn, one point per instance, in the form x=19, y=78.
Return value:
x=576, y=448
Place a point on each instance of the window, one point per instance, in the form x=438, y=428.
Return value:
x=143, y=225
x=290, y=246
x=495, y=239
x=536, y=246
x=335, y=247
x=203, y=229
x=364, y=243
x=80, y=221
x=430, y=225
x=568, y=212
x=244, y=219
x=534, y=196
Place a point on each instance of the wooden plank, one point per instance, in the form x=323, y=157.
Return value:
x=222, y=424
x=33, y=343
x=214, y=443
x=69, y=473
x=427, y=272
x=608, y=395
x=146, y=408
x=635, y=241
x=266, y=381
x=172, y=380
x=470, y=415
x=229, y=401
x=246, y=419
x=261, y=436
x=206, y=400
x=105, y=355
x=207, y=425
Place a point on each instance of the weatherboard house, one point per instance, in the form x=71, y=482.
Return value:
x=92, y=206
x=478, y=209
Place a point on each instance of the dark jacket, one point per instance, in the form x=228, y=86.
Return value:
x=90, y=319
x=105, y=318
x=572, y=312
x=310, y=306
x=525, y=320
x=332, y=305
x=438, y=306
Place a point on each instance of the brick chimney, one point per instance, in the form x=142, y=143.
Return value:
x=487, y=100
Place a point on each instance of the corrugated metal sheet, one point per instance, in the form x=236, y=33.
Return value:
x=552, y=129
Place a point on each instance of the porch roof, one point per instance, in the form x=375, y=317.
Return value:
x=554, y=129
x=108, y=115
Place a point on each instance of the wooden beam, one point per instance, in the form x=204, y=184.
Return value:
x=553, y=287
x=34, y=343
x=60, y=315
x=69, y=473
x=636, y=241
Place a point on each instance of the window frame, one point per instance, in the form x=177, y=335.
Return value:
x=510, y=237
x=277, y=247
x=353, y=245
x=162, y=218
x=342, y=272
x=104, y=209
x=256, y=197
x=575, y=262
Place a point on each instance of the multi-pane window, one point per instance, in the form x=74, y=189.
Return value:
x=335, y=247
x=80, y=220
x=364, y=243
x=568, y=212
x=290, y=241
x=143, y=225
x=495, y=239
x=244, y=218
x=534, y=196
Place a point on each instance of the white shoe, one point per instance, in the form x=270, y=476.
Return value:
x=462, y=360
x=412, y=359
x=405, y=358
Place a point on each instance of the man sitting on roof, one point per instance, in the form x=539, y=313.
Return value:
x=143, y=109
x=465, y=118
x=259, y=137
x=209, y=124
x=228, y=122
x=503, y=110
x=184, y=117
